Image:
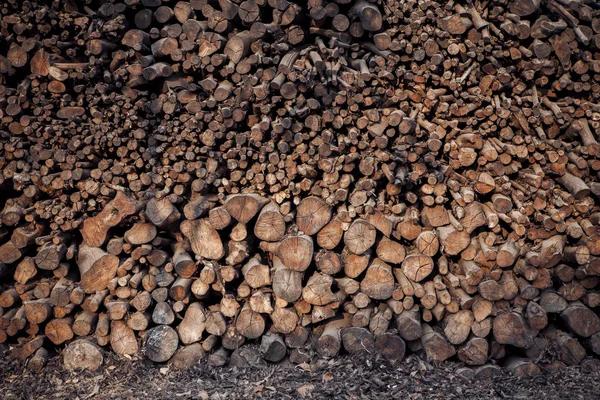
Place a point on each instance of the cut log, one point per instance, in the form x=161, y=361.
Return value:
x=330, y=342
x=511, y=328
x=82, y=354
x=358, y=340
x=580, y=319
x=122, y=338
x=312, y=214
x=96, y=268
x=474, y=351
x=391, y=347
x=417, y=267
x=296, y=252
x=379, y=282
x=270, y=225
x=160, y=343
x=435, y=345
x=360, y=236
x=204, y=239
x=192, y=326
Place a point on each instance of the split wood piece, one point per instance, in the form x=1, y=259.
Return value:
x=59, y=330
x=196, y=208
x=522, y=367
x=96, y=268
x=24, y=351
x=243, y=207
x=184, y=265
x=187, y=356
x=569, y=350
x=580, y=319
x=272, y=347
x=249, y=323
x=318, y=290
x=368, y=14
x=408, y=324
x=238, y=46
x=427, y=243
x=140, y=233
x=38, y=361
x=204, y=239
x=457, y=326
x=575, y=185
x=453, y=241
x=285, y=320
x=219, y=218
x=354, y=264
x=256, y=274
x=390, y=346
x=537, y=318
x=38, y=311
x=524, y=8
x=474, y=351
x=328, y=262
x=122, y=338
x=331, y=234
x=85, y=323
x=94, y=229
x=551, y=252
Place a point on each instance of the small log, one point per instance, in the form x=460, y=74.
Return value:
x=272, y=347
x=360, y=236
x=296, y=252
x=82, y=354
x=391, y=347
x=378, y=282
x=435, y=345
x=357, y=340
x=192, y=326
x=457, y=326
x=160, y=343
x=330, y=342
x=270, y=225
x=580, y=319
x=417, y=267
x=204, y=239
x=122, y=338
x=511, y=328
x=96, y=268
x=59, y=330
x=312, y=214
x=409, y=324
x=474, y=351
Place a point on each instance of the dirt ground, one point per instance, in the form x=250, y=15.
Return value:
x=342, y=378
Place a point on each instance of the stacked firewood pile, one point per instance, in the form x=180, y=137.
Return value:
x=180, y=178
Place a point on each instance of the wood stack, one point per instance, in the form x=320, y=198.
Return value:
x=183, y=177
